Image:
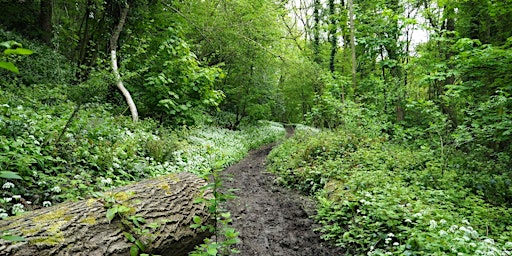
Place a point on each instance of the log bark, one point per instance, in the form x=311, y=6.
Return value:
x=81, y=228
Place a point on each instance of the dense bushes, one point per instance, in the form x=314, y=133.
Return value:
x=400, y=194
x=98, y=150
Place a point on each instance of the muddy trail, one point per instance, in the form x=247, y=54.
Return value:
x=272, y=220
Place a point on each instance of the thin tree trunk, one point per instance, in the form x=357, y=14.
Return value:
x=352, y=43
x=45, y=21
x=82, y=228
x=113, y=57
x=333, y=39
x=316, y=31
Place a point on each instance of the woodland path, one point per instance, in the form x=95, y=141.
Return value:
x=272, y=220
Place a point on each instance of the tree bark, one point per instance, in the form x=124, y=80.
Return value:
x=81, y=228
x=45, y=21
x=352, y=43
x=113, y=58
x=333, y=39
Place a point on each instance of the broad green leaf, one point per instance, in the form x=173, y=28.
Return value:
x=140, y=245
x=10, y=44
x=134, y=250
x=13, y=238
x=129, y=237
x=9, y=175
x=9, y=66
x=212, y=249
x=111, y=213
x=18, y=51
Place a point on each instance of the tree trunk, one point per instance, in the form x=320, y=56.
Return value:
x=316, y=31
x=352, y=43
x=113, y=57
x=333, y=38
x=45, y=21
x=81, y=228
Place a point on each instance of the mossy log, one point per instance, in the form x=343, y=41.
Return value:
x=81, y=228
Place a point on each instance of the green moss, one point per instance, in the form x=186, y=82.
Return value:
x=89, y=220
x=55, y=239
x=123, y=196
x=53, y=215
x=91, y=201
x=165, y=186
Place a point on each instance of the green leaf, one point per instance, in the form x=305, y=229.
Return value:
x=134, y=250
x=197, y=219
x=18, y=51
x=129, y=237
x=9, y=66
x=212, y=249
x=111, y=213
x=13, y=238
x=9, y=175
x=10, y=44
x=140, y=245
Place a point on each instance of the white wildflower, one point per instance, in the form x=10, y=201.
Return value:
x=442, y=233
x=16, y=197
x=465, y=222
x=56, y=189
x=106, y=181
x=488, y=241
x=391, y=235
x=442, y=221
x=3, y=215
x=7, y=199
x=433, y=224
x=8, y=185
x=47, y=204
x=408, y=220
x=17, y=208
x=396, y=244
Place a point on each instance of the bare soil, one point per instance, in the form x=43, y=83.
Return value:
x=272, y=220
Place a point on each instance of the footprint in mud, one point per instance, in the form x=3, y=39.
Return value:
x=272, y=220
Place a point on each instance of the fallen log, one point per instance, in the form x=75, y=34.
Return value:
x=81, y=228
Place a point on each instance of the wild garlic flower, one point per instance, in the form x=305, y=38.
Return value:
x=56, y=189
x=17, y=208
x=8, y=185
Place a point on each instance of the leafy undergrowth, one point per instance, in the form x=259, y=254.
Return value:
x=98, y=150
x=378, y=196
